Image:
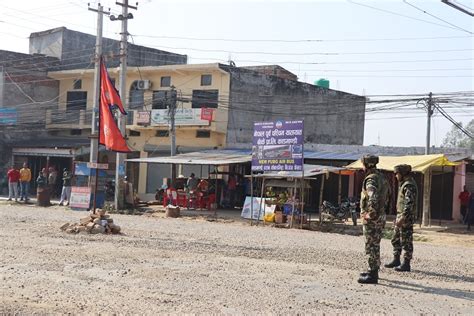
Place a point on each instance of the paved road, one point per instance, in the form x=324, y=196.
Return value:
x=184, y=265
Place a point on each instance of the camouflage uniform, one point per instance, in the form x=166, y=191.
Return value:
x=406, y=211
x=373, y=203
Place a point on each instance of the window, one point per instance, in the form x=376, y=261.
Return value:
x=205, y=98
x=137, y=97
x=134, y=133
x=203, y=134
x=165, y=81
x=159, y=99
x=76, y=100
x=77, y=85
x=163, y=133
x=206, y=80
x=76, y=132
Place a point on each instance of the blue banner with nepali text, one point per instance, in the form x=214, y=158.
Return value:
x=278, y=146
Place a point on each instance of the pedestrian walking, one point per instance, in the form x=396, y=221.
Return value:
x=25, y=179
x=66, y=191
x=52, y=178
x=13, y=178
x=375, y=197
x=407, y=199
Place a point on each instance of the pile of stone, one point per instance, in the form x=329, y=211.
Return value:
x=98, y=223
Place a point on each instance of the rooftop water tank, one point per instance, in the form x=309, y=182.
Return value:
x=324, y=83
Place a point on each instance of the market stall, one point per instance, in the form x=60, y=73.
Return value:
x=285, y=201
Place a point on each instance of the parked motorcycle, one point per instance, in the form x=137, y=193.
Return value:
x=347, y=210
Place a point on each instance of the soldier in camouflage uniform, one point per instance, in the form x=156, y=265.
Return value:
x=373, y=203
x=406, y=212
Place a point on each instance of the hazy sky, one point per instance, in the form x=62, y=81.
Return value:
x=392, y=49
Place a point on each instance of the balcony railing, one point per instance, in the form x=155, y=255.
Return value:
x=68, y=119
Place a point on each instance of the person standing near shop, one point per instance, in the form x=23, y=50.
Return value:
x=52, y=178
x=375, y=197
x=66, y=191
x=406, y=212
x=464, y=199
x=25, y=179
x=13, y=178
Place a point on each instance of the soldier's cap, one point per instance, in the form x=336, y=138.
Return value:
x=402, y=169
x=370, y=160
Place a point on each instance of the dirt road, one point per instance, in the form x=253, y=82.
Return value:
x=180, y=265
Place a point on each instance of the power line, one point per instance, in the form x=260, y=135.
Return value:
x=437, y=18
x=402, y=15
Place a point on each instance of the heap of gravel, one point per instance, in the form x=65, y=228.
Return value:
x=166, y=265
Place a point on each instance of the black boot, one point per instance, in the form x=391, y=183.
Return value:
x=405, y=267
x=394, y=263
x=364, y=273
x=372, y=277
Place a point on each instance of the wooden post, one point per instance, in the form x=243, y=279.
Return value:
x=261, y=202
x=293, y=208
x=323, y=179
x=339, y=189
x=251, y=198
x=426, y=219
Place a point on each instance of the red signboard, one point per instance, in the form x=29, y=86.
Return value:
x=206, y=114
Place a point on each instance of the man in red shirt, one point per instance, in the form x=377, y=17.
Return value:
x=464, y=197
x=13, y=178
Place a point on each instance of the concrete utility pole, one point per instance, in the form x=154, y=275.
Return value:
x=98, y=53
x=172, y=129
x=429, y=110
x=120, y=164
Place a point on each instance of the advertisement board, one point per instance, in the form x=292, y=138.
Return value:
x=183, y=117
x=278, y=146
x=247, y=210
x=80, y=197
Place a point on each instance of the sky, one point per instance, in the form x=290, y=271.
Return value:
x=363, y=47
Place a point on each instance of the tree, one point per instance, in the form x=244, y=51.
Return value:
x=456, y=138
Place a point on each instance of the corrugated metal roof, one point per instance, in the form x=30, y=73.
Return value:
x=206, y=157
x=328, y=155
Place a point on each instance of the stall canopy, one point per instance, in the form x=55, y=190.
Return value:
x=309, y=171
x=208, y=157
x=420, y=163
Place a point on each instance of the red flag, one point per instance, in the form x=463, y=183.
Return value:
x=109, y=133
x=111, y=95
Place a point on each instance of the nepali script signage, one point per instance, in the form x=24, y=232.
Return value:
x=183, y=117
x=277, y=146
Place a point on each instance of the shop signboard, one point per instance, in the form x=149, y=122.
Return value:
x=278, y=146
x=183, y=117
x=80, y=197
x=142, y=117
x=247, y=210
x=8, y=116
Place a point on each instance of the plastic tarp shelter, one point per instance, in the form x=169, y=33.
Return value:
x=420, y=163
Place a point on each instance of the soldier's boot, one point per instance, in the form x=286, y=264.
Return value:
x=394, y=263
x=372, y=277
x=364, y=273
x=405, y=267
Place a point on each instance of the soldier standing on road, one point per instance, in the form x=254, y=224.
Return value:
x=406, y=211
x=373, y=203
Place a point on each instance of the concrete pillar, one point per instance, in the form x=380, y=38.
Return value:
x=351, y=192
x=142, y=175
x=458, y=184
